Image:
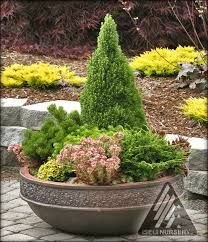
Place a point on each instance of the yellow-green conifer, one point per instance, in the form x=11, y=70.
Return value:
x=110, y=96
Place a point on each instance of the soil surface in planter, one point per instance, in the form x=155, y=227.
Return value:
x=161, y=98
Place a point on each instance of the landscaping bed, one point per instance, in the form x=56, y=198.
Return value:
x=161, y=98
x=109, y=146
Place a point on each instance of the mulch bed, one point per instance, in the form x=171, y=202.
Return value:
x=161, y=98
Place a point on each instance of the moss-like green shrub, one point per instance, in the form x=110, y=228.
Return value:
x=110, y=96
x=145, y=156
x=165, y=63
x=50, y=171
x=196, y=108
x=39, y=145
x=84, y=131
x=39, y=75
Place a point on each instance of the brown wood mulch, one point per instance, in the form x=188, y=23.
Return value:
x=161, y=98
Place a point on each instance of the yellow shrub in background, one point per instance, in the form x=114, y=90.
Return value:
x=151, y=63
x=196, y=108
x=39, y=75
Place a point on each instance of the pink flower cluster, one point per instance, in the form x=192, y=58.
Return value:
x=16, y=148
x=21, y=157
x=94, y=161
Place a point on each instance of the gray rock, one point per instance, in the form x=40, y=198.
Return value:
x=196, y=143
x=202, y=84
x=11, y=135
x=198, y=160
x=10, y=111
x=8, y=158
x=196, y=182
x=32, y=116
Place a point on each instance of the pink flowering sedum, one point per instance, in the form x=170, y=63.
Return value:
x=16, y=148
x=96, y=162
x=21, y=157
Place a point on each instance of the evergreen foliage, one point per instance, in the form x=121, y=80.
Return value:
x=110, y=96
x=145, y=156
x=84, y=131
x=39, y=145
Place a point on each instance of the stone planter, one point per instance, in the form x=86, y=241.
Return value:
x=93, y=210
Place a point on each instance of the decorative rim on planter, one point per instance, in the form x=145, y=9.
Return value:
x=24, y=172
x=86, y=209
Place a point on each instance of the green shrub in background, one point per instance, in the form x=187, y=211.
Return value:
x=110, y=96
x=50, y=171
x=39, y=145
x=145, y=156
x=165, y=63
x=196, y=108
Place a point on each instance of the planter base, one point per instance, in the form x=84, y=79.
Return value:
x=93, y=210
x=92, y=222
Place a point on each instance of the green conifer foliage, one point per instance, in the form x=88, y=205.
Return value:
x=110, y=96
x=38, y=145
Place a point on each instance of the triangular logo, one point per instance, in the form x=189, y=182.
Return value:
x=167, y=216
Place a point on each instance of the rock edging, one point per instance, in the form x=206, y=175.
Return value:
x=16, y=117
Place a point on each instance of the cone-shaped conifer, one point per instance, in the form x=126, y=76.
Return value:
x=110, y=96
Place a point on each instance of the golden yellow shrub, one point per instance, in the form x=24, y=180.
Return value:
x=39, y=75
x=152, y=63
x=196, y=108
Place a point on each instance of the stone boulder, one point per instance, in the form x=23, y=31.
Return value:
x=11, y=135
x=10, y=111
x=198, y=160
x=32, y=116
x=8, y=158
x=196, y=182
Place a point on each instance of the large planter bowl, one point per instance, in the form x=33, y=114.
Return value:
x=93, y=210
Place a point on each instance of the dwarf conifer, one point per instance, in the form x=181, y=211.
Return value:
x=110, y=96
